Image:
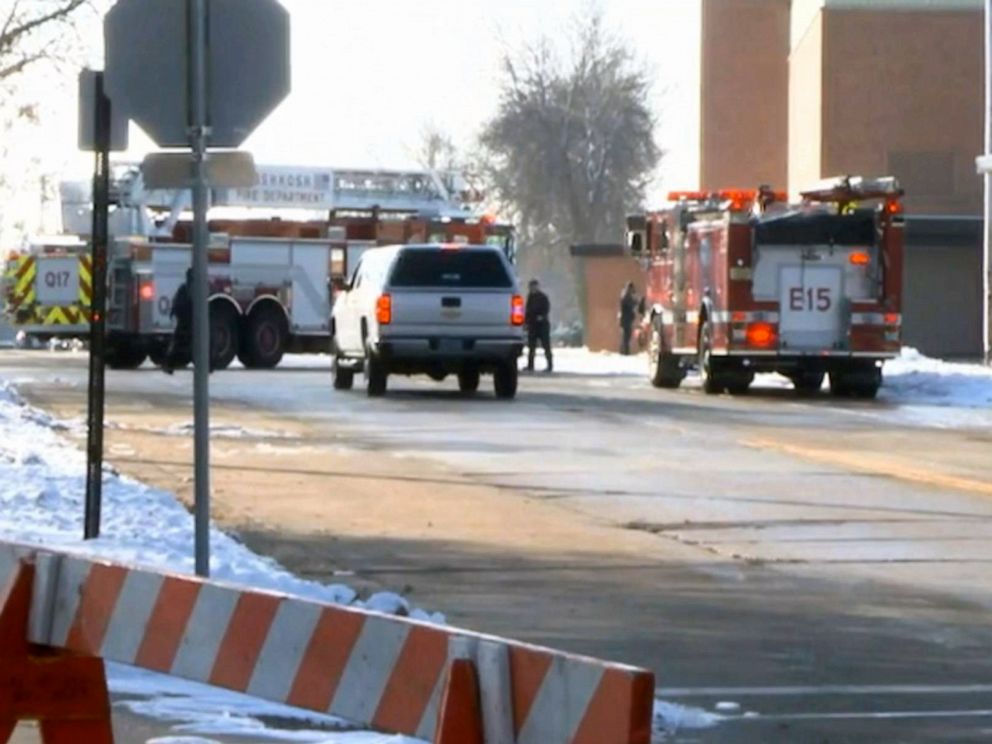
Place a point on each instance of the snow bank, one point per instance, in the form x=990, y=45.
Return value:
x=923, y=390
x=919, y=379
x=42, y=486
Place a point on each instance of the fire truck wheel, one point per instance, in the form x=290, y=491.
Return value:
x=860, y=382
x=124, y=354
x=376, y=377
x=224, y=334
x=807, y=382
x=505, y=380
x=266, y=337
x=468, y=380
x=712, y=381
x=664, y=370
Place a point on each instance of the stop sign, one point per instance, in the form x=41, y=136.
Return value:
x=146, y=76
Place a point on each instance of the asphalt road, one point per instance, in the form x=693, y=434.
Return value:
x=822, y=566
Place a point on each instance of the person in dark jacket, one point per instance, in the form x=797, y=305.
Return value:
x=537, y=318
x=180, y=345
x=629, y=306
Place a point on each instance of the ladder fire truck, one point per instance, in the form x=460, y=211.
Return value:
x=741, y=281
x=272, y=278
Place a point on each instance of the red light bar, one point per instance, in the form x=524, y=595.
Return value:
x=688, y=196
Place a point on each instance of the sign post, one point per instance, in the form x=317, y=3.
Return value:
x=98, y=132
x=198, y=74
x=197, y=49
x=98, y=309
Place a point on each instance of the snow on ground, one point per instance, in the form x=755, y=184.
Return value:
x=196, y=711
x=671, y=718
x=42, y=485
x=42, y=482
x=918, y=388
x=937, y=381
x=217, y=431
x=299, y=361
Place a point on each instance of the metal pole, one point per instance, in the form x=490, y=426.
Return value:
x=98, y=310
x=987, y=252
x=197, y=51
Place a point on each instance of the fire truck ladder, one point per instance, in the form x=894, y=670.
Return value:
x=421, y=192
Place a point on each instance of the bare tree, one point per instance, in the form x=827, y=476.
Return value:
x=571, y=147
x=34, y=31
x=437, y=151
x=39, y=46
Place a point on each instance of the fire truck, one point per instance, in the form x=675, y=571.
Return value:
x=48, y=287
x=742, y=281
x=271, y=279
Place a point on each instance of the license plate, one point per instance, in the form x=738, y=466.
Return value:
x=451, y=344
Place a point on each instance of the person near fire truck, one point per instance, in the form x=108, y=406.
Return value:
x=537, y=318
x=630, y=305
x=180, y=345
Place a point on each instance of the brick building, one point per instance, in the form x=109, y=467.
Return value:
x=793, y=91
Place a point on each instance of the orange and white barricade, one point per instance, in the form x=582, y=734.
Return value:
x=391, y=674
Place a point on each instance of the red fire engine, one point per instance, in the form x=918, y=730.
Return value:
x=741, y=281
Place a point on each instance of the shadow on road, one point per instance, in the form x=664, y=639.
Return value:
x=701, y=626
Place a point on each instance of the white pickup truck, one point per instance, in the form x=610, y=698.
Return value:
x=434, y=309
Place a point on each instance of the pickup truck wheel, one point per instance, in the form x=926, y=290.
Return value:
x=266, y=337
x=344, y=377
x=468, y=381
x=664, y=369
x=505, y=380
x=375, y=377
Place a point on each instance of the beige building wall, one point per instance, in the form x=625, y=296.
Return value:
x=805, y=97
x=902, y=94
x=744, y=113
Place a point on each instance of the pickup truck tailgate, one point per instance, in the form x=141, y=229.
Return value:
x=446, y=309
x=445, y=290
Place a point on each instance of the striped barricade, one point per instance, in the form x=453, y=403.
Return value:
x=380, y=671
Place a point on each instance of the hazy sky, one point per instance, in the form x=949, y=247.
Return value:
x=369, y=76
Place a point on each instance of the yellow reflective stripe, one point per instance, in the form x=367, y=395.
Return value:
x=85, y=281
x=24, y=288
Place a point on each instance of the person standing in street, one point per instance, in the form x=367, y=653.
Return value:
x=629, y=304
x=537, y=318
x=180, y=345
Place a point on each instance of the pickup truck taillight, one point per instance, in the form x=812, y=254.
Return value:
x=517, y=310
x=384, y=309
